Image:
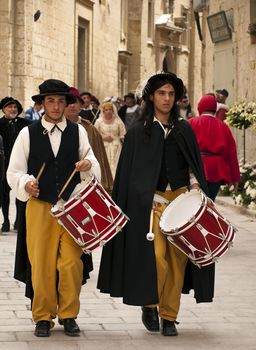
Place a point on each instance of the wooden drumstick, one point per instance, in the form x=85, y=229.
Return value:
x=71, y=176
x=40, y=172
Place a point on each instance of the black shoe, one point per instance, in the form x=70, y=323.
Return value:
x=70, y=327
x=5, y=226
x=168, y=328
x=43, y=329
x=150, y=318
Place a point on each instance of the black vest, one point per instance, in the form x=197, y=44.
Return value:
x=174, y=167
x=57, y=169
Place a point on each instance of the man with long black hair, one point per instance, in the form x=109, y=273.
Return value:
x=159, y=160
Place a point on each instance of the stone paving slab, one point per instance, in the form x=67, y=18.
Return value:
x=106, y=323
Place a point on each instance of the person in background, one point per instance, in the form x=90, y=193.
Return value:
x=54, y=147
x=86, y=98
x=2, y=170
x=185, y=108
x=72, y=112
x=95, y=103
x=88, y=112
x=217, y=147
x=160, y=160
x=222, y=107
x=34, y=113
x=130, y=111
x=10, y=126
x=112, y=130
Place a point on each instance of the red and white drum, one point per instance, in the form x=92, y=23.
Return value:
x=194, y=225
x=91, y=217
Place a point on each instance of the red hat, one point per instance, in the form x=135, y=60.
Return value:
x=75, y=92
x=208, y=103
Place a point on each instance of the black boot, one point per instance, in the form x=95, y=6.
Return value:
x=168, y=328
x=70, y=327
x=150, y=318
x=43, y=329
x=6, y=226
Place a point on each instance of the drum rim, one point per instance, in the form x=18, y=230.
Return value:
x=189, y=224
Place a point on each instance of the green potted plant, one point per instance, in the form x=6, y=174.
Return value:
x=242, y=115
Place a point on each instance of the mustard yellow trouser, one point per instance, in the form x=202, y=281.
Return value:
x=51, y=249
x=170, y=264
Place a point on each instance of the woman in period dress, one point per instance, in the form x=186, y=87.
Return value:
x=112, y=130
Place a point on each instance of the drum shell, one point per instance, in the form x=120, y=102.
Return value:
x=91, y=217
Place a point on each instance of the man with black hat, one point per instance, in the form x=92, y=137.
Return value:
x=222, y=107
x=159, y=160
x=52, y=147
x=130, y=111
x=10, y=126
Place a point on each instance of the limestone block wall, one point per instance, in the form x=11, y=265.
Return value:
x=52, y=48
x=105, y=46
x=6, y=47
x=35, y=51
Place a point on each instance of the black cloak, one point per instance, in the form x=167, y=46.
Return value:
x=128, y=267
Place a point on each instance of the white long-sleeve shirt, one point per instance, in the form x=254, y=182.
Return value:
x=17, y=172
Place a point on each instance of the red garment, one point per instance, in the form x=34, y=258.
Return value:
x=216, y=140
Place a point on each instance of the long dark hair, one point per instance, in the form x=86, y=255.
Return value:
x=148, y=111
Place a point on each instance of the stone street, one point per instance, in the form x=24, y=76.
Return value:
x=227, y=323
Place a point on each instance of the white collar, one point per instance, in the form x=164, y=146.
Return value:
x=48, y=126
x=208, y=115
x=165, y=130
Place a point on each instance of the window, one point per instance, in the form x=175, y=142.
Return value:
x=186, y=32
x=168, y=6
x=82, y=54
x=124, y=21
x=150, y=19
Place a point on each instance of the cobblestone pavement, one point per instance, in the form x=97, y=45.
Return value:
x=227, y=323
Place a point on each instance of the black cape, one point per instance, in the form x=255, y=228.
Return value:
x=22, y=267
x=128, y=267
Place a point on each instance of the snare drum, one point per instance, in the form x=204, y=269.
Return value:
x=91, y=217
x=194, y=225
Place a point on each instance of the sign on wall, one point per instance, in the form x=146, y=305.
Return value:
x=219, y=27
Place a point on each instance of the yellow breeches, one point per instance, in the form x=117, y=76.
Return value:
x=55, y=263
x=170, y=263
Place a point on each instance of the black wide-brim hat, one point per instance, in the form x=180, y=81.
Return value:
x=6, y=101
x=172, y=78
x=54, y=87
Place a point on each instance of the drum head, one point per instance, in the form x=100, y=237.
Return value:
x=180, y=210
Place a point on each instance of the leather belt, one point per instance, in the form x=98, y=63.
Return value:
x=207, y=154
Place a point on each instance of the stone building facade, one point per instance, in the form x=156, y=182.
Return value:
x=104, y=46
x=225, y=57
x=110, y=47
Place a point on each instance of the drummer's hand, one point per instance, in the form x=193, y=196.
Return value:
x=83, y=165
x=32, y=188
x=195, y=186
